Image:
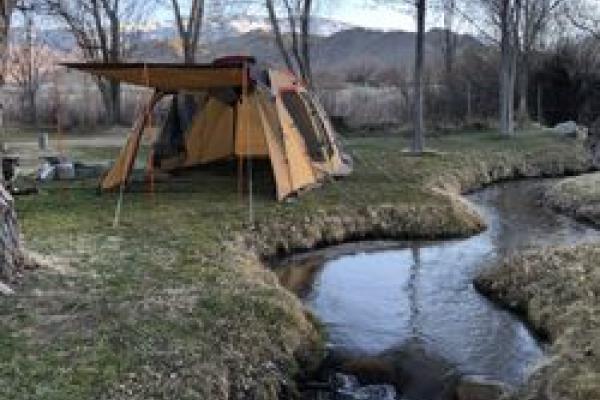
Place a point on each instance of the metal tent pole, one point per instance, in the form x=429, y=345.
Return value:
x=248, y=157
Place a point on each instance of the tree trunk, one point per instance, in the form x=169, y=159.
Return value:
x=505, y=67
x=515, y=53
x=115, y=102
x=418, y=139
x=6, y=9
x=449, y=45
x=111, y=98
x=31, y=106
x=11, y=256
x=188, y=54
x=305, y=35
x=524, y=87
x=115, y=55
x=540, y=104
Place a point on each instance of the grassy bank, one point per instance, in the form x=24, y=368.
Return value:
x=558, y=292
x=175, y=303
x=578, y=196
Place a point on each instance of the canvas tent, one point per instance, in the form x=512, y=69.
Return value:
x=231, y=109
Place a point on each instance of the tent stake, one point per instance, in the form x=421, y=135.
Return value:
x=136, y=136
x=250, y=194
x=118, y=208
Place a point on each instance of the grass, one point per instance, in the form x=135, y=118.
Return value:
x=578, y=196
x=557, y=289
x=170, y=305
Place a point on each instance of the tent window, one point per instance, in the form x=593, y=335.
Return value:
x=318, y=122
x=171, y=140
x=297, y=110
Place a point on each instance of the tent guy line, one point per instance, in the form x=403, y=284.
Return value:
x=231, y=109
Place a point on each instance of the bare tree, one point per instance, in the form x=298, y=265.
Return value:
x=536, y=15
x=6, y=10
x=584, y=15
x=418, y=142
x=449, y=7
x=506, y=15
x=97, y=28
x=296, y=53
x=189, y=27
x=28, y=63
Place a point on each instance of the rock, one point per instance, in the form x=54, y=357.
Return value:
x=349, y=389
x=477, y=387
x=568, y=128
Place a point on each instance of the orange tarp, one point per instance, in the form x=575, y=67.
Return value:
x=166, y=77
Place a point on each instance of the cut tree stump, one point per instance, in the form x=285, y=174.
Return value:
x=11, y=256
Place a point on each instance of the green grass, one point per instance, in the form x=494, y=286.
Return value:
x=164, y=306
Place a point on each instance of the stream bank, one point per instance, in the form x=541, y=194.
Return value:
x=406, y=313
x=557, y=289
x=577, y=196
x=177, y=302
x=445, y=215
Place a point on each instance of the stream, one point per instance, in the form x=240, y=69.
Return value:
x=407, y=314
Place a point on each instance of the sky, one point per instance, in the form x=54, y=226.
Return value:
x=365, y=13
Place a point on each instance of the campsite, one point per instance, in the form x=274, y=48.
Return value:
x=292, y=200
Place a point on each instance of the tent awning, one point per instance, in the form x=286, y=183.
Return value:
x=166, y=77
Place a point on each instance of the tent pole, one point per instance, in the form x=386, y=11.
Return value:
x=238, y=157
x=138, y=130
x=248, y=157
x=151, y=155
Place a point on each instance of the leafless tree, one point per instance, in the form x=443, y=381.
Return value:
x=189, y=27
x=296, y=51
x=418, y=142
x=505, y=15
x=584, y=15
x=29, y=63
x=449, y=7
x=6, y=10
x=535, y=20
x=98, y=30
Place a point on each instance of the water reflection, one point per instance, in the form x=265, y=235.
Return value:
x=379, y=299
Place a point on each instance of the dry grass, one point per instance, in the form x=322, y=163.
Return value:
x=172, y=304
x=578, y=196
x=558, y=291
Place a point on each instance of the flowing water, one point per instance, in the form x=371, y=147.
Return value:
x=414, y=302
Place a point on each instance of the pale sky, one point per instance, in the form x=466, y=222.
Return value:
x=364, y=13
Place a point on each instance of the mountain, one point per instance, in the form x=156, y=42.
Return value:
x=213, y=30
x=335, y=46
x=346, y=48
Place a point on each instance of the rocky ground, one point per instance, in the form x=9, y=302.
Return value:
x=176, y=302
